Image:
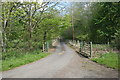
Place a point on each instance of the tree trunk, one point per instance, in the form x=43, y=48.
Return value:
x=5, y=24
x=73, y=34
x=29, y=29
x=44, y=40
x=3, y=31
x=3, y=40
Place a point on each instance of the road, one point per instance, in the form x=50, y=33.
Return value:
x=63, y=63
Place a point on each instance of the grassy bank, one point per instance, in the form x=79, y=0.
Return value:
x=18, y=60
x=109, y=59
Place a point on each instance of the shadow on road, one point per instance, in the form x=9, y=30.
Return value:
x=62, y=44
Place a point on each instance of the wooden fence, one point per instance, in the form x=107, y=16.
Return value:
x=90, y=50
x=82, y=47
x=47, y=45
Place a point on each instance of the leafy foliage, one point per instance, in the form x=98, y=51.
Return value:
x=26, y=27
x=96, y=22
x=29, y=25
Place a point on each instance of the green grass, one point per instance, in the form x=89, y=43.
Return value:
x=100, y=46
x=13, y=62
x=109, y=59
x=0, y=65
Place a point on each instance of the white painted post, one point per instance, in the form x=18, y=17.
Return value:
x=43, y=48
x=78, y=44
x=108, y=44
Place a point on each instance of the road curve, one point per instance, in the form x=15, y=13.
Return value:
x=64, y=63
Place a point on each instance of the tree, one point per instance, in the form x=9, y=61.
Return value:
x=7, y=9
x=29, y=24
x=96, y=22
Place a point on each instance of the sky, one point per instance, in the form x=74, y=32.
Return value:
x=62, y=0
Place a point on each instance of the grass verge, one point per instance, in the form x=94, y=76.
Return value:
x=109, y=59
x=13, y=62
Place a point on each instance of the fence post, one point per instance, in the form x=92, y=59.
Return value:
x=47, y=46
x=78, y=43
x=90, y=49
x=108, y=44
x=73, y=42
x=43, y=48
x=80, y=46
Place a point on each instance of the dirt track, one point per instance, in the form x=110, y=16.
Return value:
x=64, y=63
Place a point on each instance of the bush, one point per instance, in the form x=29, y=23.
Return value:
x=22, y=45
x=37, y=45
x=116, y=41
x=10, y=54
x=16, y=53
x=50, y=43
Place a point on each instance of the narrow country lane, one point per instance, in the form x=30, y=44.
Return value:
x=64, y=63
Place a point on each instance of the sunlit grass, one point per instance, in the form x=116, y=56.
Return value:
x=13, y=62
x=100, y=46
x=0, y=65
x=109, y=60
